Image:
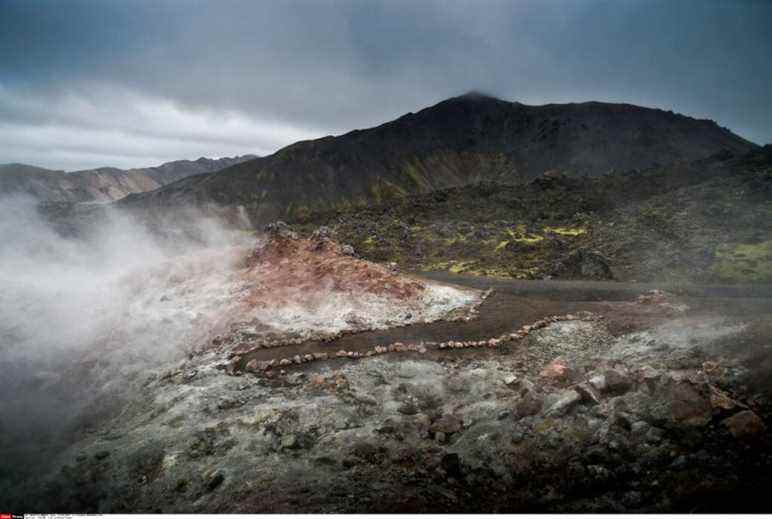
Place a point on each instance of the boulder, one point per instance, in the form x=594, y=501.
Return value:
x=745, y=426
x=721, y=402
x=280, y=230
x=598, y=382
x=617, y=382
x=680, y=403
x=588, y=392
x=447, y=424
x=565, y=401
x=321, y=233
x=557, y=370
x=214, y=480
x=289, y=441
x=529, y=404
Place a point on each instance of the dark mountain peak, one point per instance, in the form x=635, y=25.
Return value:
x=471, y=101
x=458, y=141
x=477, y=96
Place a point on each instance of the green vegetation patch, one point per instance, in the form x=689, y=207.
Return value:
x=566, y=231
x=744, y=262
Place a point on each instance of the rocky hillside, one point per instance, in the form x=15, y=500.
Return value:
x=706, y=221
x=102, y=184
x=456, y=142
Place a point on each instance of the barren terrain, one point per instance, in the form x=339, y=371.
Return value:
x=428, y=396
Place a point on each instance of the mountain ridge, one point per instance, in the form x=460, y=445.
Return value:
x=457, y=141
x=101, y=184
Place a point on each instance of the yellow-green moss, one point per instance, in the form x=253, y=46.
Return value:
x=521, y=234
x=460, y=266
x=566, y=231
x=383, y=190
x=413, y=172
x=744, y=262
x=458, y=238
x=533, y=238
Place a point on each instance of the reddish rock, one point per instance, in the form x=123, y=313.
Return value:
x=556, y=370
x=722, y=402
x=745, y=426
x=683, y=403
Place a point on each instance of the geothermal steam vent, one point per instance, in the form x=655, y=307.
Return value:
x=297, y=289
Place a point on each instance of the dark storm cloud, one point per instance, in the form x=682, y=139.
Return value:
x=87, y=83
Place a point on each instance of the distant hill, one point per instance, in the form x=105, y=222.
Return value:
x=456, y=142
x=101, y=184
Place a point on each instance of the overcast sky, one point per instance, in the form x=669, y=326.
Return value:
x=136, y=83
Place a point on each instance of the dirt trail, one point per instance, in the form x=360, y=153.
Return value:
x=517, y=303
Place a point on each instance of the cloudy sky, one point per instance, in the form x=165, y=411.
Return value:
x=135, y=83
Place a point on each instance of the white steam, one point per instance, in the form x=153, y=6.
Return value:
x=63, y=296
x=85, y=321
x=82, y=317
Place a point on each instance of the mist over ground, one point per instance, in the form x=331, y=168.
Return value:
x=89, y=318
x=81, y=316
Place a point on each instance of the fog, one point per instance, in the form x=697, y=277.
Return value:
x=59, y=294
x=80, y=318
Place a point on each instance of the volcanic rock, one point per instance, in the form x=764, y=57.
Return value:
x=745, y=426
x=447, y=424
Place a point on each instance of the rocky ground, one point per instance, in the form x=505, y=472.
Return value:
x=650, y=404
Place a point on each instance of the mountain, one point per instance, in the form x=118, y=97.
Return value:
x=461, y=140
x=102, y=184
